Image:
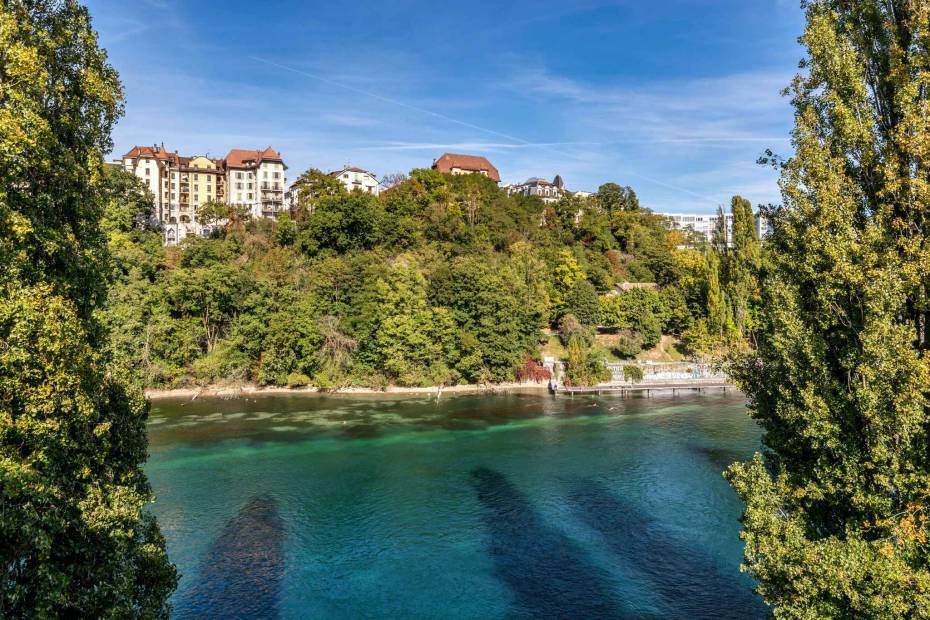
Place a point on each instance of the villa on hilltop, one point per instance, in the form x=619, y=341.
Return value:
x=357, y=179
x=452, y=163
x=547, y=191
x=181, y=184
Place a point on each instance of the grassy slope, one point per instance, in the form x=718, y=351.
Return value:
x=669, y=349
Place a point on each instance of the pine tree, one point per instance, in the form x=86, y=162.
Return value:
x=836, y=519
x=74, y=541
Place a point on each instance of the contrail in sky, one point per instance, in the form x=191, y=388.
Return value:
x=456, y=121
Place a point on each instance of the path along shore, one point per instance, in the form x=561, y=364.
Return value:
x=236, y=391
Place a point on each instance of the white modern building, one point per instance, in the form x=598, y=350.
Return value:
x=357, y=179
x=706, y=225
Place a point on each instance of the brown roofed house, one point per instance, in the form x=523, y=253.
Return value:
x=452, y=163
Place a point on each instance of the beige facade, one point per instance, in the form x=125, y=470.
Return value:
x=182, y=185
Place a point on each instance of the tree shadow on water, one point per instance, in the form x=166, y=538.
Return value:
x=548, y=575
x=240, y=575
x=686, y=579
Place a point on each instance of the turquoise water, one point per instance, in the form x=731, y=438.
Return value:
x=505, y=506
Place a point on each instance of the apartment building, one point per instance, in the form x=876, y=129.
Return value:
x=182, y=184
x=255, y=179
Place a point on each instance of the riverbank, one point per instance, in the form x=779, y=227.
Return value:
x=239, y=391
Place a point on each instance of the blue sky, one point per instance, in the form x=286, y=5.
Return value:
x=676, y=98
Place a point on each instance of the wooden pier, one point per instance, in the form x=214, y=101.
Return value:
x=700, y=385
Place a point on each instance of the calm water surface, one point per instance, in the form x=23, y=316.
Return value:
x=506, y=506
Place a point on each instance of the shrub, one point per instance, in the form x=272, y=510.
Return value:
x=586, y=365
x=532, y=371
x=570, y=328
x=633, y=374
x=627, y=344
x=297, y=379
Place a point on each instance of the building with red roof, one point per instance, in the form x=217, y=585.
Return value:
x=181, y=184
x=454, y=163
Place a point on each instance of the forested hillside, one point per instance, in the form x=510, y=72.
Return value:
x=439, y=280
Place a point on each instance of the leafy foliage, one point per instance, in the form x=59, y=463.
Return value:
x=74, y=541
x=640, y=310
x=835, y=520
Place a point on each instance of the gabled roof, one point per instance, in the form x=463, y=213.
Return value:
x=246, y=158
x=472, y=163
x=556, y=182
x=336, y=173
x=157, y=152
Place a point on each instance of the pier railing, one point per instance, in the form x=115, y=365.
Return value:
x=665, y=371
x=655, y=375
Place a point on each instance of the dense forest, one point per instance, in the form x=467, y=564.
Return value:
x=438, y=280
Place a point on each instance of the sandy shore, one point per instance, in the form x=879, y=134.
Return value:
x=253, y=390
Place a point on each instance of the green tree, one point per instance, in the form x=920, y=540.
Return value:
x=213, y=295
x=718, y=309
x=74, y=540
x=570, y=328
x=586, y=365
x=744, y=259
x=312, y=186
x=612, y=198
x=498, y=316
x=292, y=345
x=343, y=223
x=582, y=301
x=836, y=521
x=639, y=309
x=231, y=217
x=566, y=274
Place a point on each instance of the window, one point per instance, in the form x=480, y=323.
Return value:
x=277, y=175
x=266, y=174
x=238, y=185
x=250, y=195
x=196, y=177
x=238, y=175
x=148, y=172
x=345, y=176
x=250, y=186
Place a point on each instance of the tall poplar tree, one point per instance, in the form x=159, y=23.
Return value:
x=743, y=263
x=717, y=309
x=836, y=519
x=74, y=541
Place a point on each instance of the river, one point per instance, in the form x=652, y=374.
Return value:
x=476, y=506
